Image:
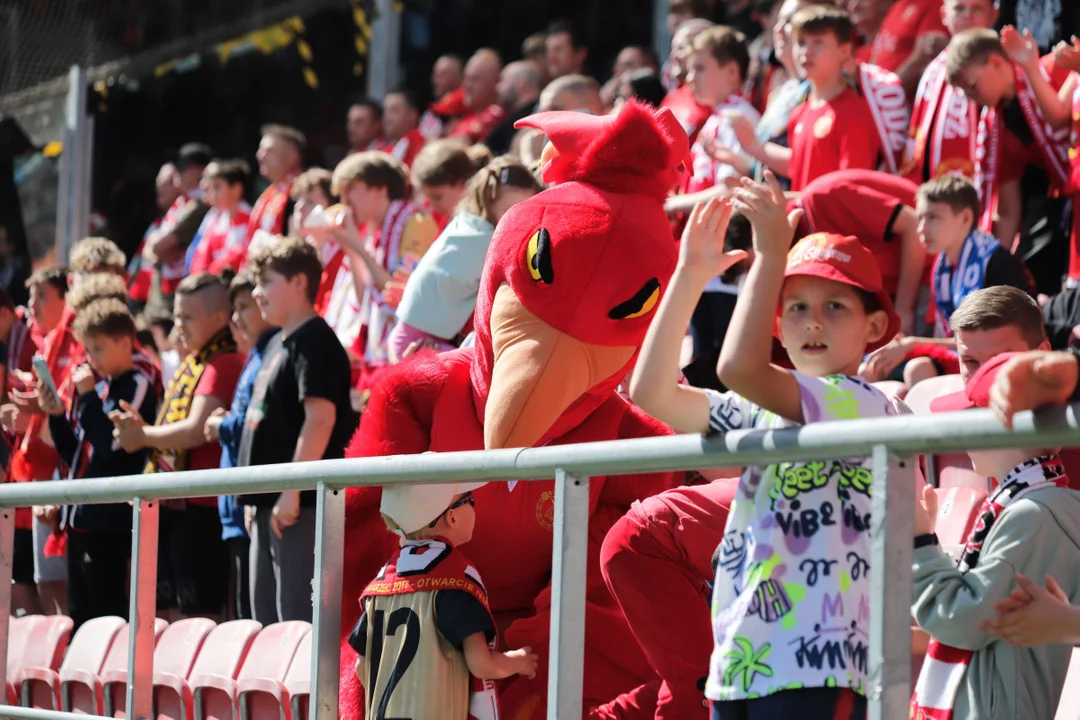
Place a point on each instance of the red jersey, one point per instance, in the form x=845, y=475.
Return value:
x=865, y=204
x=406, y=149
x=687, y=110
x=478, y=125
x=903, y=24
x=224, y=241
x=269, y=214
x=835, y=135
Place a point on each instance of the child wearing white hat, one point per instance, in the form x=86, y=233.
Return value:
x=426, y=637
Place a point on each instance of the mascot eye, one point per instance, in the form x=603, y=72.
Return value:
x=538, y=256
x=643, y=301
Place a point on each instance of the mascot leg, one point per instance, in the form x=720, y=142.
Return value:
x=657, y=561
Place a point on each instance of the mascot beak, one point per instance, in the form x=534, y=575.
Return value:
x=538, y=373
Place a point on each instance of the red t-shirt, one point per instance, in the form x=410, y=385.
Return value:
x=836, y=135
x=863, y=203
x=219, y=379
x=903, y=24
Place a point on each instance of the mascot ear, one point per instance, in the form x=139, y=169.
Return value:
x=568, y=135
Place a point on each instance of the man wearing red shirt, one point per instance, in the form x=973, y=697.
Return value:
x=482, y=108
x=400, y=124
x=878, y=209
x=280, y=156
x=192, y=578
x=911, y=35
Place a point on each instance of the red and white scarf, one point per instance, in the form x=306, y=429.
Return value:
x=1053, y=144
x=1074, y=185
x=884, y=93
x=385, y=246
x=268, y=214
x=943, y=125
x=944, y=668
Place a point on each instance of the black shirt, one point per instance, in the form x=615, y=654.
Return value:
x=1061, y=314
x=309, y=363
x=457, y=615
x=1004, y=268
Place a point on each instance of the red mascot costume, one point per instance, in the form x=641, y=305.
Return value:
x=572, y=280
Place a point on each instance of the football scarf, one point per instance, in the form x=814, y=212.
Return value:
x=268, y=214
x=179, y=396
x=943, y=125
x=428, y=566
x=944, y=668
x=1052, y=144
x=884, y=94
x=952, y=285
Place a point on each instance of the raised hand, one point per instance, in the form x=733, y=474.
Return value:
x=764, y=206
x=1021, y=47
x=1031, y=381
x=701, y=250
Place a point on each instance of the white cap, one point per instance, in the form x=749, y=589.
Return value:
x=413, y=507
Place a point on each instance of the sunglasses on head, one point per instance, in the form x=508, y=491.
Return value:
x=466, y=499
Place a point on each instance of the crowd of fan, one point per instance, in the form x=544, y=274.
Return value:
x=244, y=335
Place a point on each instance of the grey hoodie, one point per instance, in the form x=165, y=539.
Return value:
x=1037, y=535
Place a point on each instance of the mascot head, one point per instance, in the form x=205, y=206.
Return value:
x=574, y=274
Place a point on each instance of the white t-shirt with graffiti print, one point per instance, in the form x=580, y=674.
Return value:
x=791, y=602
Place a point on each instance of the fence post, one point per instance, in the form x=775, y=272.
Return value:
x=73, y=201
x=144, y=547
x=567, y=647
x=7, y=554
x=326, y=623
x=891, y=521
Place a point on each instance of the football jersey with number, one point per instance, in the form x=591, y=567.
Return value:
x=416, y=615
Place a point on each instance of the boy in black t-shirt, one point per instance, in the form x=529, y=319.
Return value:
x=99, y=536
x=299, y=411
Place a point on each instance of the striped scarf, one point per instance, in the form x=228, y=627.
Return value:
x=943, y=671
x=181, y=394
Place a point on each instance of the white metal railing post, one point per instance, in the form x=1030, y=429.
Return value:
x=891, y=521
x=568, y=563
x=142, y=615
x=73, y=198
x=326, y=622
x=7, y=554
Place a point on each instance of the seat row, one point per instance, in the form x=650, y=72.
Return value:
x=237, y=670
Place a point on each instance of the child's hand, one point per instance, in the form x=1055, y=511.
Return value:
x=1067, y=54
x=83, y=377
x=887, y=358
x=764, y=206
x=1021, y=47
x=701, y=251
x=743, y=129
x=925, y=511
x=1032, y=616
x=524, y=661
x=213, y=423
x=47, y=400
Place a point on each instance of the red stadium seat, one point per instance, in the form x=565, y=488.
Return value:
x=42, y=687
x=1069, y=705
x=954, y=471
x=34, y=642
x=174, y=654
x=222, y=653
x=958, y=508
x=261, y=678
x=110, y=685
x=298, y=681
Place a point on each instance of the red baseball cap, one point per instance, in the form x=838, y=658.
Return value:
x=844, y=259
x=977, y=391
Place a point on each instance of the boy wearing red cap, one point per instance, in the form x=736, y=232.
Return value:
x=797, y=535
x=1029, y=523
x=425, y=624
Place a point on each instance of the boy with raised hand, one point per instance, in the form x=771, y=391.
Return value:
x=450, y=631
x=834, y=129
x=99, y=536
x=968, y=259
x=299, y=411
x=1030, y=523
x=773, y=655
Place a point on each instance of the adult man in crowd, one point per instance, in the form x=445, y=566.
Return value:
x=280, y=156
x=141, y=269
x=632, y=57
x=400, y=125
x=481, y=102
x=364, y=125
x=191, y=576
x=567, y=51
x=446, y=77
x=519, y=90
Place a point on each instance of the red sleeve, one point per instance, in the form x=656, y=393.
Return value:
x=931, y=22
x=220, y=376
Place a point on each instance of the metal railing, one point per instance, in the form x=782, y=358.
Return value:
x=891, y=443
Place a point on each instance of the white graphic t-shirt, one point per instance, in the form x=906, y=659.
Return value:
x=791, y=602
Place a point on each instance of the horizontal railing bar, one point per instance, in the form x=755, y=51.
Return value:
x=905, y=435
x=22, y=713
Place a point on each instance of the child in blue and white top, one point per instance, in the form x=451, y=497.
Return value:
x=790, y=615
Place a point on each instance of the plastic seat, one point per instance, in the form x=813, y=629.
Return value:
x=892, y=388
x=1069, y=705
x=111, y=683
x=34, y=641
x=261, y=679
x=954, y=471
x=958, y=508
x=920, y=396
x=298, y=681
x=41, y=687
x=223, y=651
